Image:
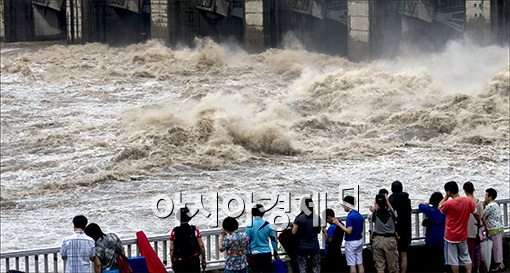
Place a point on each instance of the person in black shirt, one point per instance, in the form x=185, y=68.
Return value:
x=402, y=204
x=306, y=226
x=186, y=245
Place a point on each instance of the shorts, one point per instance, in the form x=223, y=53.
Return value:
x=354, y=252
x=385, y=252
x=456, y=253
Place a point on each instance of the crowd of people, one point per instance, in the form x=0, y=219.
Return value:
x=454, y=224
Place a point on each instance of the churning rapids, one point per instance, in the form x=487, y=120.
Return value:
x=96, y=130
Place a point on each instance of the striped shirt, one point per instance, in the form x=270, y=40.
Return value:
x=78, y=248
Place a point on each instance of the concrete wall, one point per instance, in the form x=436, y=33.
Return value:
x=47, y=23
x=358, y=30
x=254, y=25
x=159, y=20
x=478, y=23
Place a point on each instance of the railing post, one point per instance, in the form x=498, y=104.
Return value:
x=217, y=248
x=370, y=225
x=165, y=253
x=7, y=265
x=36, y=260
x=505, y=214
x=129, y=250
x=208, y=239
x=417, y=224
x=46, y=266
x=156, y=247
x=55, y=262
x=364, y=231
x=27, y=264
x=17, y=263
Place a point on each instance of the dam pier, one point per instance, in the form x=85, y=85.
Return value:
x=359, y=30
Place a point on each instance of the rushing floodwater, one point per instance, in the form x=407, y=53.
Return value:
x=101, y=131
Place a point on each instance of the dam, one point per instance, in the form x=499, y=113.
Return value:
x=358, y=30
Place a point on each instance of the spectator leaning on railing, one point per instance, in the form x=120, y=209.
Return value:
x=434, y=235
x=493, y=219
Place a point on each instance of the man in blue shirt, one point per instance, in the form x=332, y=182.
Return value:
x=260, y=234
x=353, y=235
x=332, y=248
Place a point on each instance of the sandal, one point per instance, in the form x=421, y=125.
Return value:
x=500, y=268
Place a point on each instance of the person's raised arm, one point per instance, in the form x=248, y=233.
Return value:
x=388, y=203
x=295, y=229
x=441, y=204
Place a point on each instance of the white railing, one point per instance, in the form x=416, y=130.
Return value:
x=48, y=260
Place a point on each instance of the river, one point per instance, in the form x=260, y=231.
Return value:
x=101, y=131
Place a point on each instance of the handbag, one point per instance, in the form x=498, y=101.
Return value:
x=485, y=247
x=279, y=267
x=288, y=242
x=123, y=263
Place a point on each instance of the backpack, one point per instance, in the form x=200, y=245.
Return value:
x=186, y=242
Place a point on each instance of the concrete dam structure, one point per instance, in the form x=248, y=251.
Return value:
x=356, y=29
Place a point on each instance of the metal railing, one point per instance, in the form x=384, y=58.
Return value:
x=48, y=260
